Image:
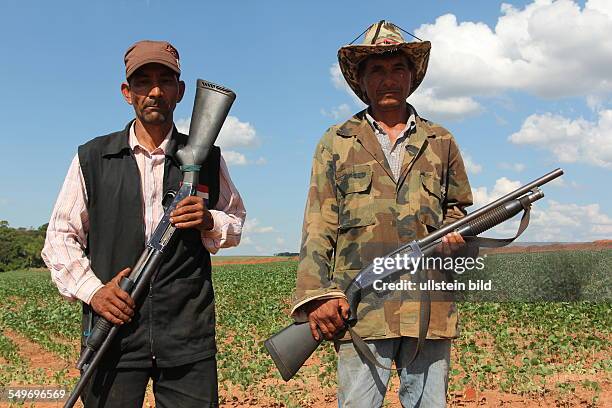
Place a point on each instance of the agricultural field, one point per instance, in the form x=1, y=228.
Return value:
x=546, y=354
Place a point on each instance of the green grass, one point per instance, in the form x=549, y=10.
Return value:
x=546, y=276
x=510, y=346
x=220, y=258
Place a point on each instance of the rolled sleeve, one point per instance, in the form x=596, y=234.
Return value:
x=66, y=238
x=319, y=233
x=228, y=215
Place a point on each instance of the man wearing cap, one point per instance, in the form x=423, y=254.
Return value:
x=106, y=211
x=379, y=180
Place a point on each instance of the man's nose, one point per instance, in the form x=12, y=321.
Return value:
x=388, y=80
x=155, y=91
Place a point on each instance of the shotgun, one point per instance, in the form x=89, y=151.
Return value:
x=292, y=346
x=211, y=106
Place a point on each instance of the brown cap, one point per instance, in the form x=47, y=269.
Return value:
x=146, y=52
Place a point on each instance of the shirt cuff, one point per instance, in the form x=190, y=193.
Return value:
x=300, y=315
x=217, y=237
x=215, y=231
x=88, y=288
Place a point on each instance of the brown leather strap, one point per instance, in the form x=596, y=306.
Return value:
x=424, y=316
x=500, y=242
x=364, y=351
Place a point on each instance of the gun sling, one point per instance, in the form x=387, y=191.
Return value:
x=293, y=345
x=425, y=302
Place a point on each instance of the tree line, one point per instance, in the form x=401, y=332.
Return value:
x=20, y=247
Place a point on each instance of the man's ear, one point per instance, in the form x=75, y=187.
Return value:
x=181, y=91
x=125, y=91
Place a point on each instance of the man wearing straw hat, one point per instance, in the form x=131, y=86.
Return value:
x=379, y=180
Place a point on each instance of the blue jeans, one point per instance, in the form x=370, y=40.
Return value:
x=422, y=384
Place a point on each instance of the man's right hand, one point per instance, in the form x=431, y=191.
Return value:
x=327, y=316
x=112, y=302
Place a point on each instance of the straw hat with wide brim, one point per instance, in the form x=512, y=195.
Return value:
x=382, y=37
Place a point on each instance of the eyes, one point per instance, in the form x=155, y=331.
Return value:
x=143, y=83
x=399, y=69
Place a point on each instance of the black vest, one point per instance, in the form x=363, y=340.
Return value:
x=175, y=322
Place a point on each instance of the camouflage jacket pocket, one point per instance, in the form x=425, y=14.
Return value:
x=356, y=203
x=430, y=212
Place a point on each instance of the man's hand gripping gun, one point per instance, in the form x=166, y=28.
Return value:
x=211, y=106
x=291, y=347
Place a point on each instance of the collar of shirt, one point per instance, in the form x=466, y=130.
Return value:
x=410, y=125
x=133, y=141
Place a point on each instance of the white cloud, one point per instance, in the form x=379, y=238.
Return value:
x=503, y=186
x=425, y=100
x=558, y=182
x=471, y=166
x=550, y=220
x=340, y=112
x=550, y=49
x=280, y=241
x=234, y=133
x=251, y=226
x=569, y=222
x=260, y=250
x=234, y=158
x=562, y=183
x=337, y=77
x=437, y=108
x=570, y=140
x=340, y=83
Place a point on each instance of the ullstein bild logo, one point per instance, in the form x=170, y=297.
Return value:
x=432, y=285
x=412, y=264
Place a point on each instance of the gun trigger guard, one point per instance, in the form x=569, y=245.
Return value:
x=168, y=198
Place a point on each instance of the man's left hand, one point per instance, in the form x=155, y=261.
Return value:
x=191, y=212
x=451, y=243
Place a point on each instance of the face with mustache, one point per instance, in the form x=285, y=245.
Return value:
x=153, y=90
x=386, y=81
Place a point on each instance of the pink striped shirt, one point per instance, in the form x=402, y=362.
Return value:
x=66, y=239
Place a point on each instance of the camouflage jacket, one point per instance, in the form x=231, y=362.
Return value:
x=356, y=211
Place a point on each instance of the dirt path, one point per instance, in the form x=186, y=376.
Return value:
x=39, y=358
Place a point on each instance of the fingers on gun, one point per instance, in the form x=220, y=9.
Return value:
x=116, y=305
x=321, y=327
x=451, y=242
x=327, y=327
x=344, y=309
x=190, y=220
x=328, y=318
x=119, y=306
x=188, y=216
x=314, y=329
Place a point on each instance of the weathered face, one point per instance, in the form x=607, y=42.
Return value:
x=386, y=80
x=153, y=90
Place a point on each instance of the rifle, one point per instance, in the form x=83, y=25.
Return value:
x=293, y=345
x=211, y=106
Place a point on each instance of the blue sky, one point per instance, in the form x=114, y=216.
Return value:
x=525, y=87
